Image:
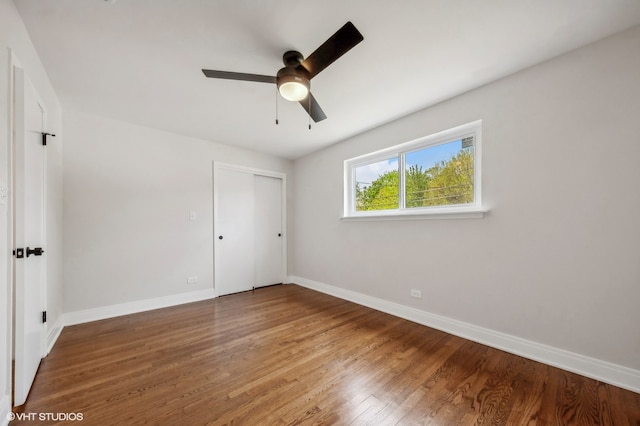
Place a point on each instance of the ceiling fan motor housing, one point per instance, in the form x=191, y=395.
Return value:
x=292, y=58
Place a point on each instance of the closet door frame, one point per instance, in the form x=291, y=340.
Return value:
x=218, y=165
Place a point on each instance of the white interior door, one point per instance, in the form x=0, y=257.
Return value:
x=268, y=230
x=29, y=176
x=233, y=231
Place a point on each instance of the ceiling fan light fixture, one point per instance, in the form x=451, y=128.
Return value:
x=293, y=87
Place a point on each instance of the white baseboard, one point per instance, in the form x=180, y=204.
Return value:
x=104, y=312
x=5, y=409
x=614, y=374
x=53, y=333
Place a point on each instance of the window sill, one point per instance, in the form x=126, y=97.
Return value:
x=471, y=213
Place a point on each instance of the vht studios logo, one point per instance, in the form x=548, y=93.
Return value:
x=52, y=417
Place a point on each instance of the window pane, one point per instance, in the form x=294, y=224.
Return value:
x=440, y=174
x=377, y=185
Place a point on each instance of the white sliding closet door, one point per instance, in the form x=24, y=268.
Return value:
x=234, y=232
x=248, y=229
x=268, y=230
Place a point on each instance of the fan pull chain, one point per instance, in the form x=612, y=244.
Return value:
x=309, y=97
x=276, y=105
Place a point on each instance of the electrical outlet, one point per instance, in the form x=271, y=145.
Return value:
x=416, y=293
x=192, y=280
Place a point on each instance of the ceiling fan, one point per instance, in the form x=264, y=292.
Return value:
x=293, y=80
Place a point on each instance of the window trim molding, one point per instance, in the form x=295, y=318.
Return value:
x=461, y=211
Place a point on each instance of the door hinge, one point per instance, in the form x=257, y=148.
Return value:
x=18, y=253
x=44, y=137
x=44, y=316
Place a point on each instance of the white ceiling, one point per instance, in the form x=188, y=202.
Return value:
x=139, y=60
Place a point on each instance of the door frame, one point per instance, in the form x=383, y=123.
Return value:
x=14, y=64
x=218, y=165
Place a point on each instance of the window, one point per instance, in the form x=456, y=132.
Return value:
x=435, y=175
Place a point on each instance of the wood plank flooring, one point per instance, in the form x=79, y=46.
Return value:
x=286, y=355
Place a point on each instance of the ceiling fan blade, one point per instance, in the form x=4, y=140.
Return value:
x=313, y=108
x=336, y=46
x=239, y=76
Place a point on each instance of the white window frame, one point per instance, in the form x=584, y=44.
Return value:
x=474, y=210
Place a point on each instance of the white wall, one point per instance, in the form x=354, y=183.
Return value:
x=557, y=259
x=128, y=193
x=13, y=35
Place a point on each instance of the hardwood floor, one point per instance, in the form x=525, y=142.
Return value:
x=289, y=355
